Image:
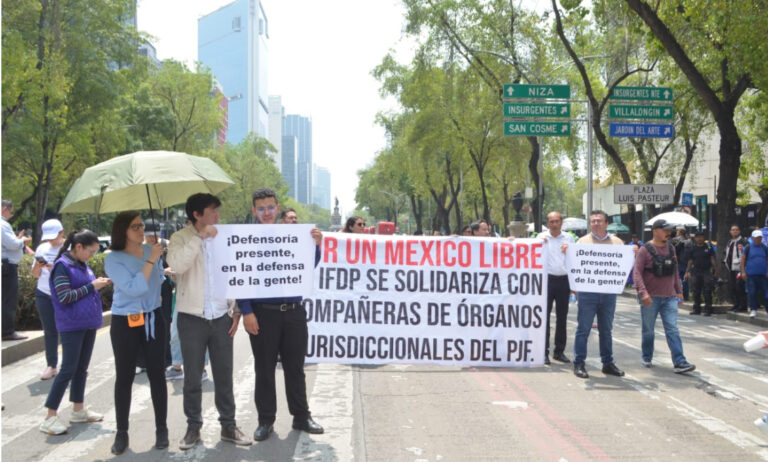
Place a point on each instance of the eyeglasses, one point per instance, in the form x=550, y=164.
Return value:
x=261, y=210
x=359, y=224
x=137, y=226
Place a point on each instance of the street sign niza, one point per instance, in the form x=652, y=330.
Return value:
x=537, y=91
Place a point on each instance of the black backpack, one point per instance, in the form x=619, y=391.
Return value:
x=663, y=265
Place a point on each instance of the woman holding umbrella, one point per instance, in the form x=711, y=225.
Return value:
x=137, y=274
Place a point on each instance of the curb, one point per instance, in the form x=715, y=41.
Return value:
x=16, y=350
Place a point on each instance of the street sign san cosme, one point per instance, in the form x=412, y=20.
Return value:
x=643, y=193
x=526, y=128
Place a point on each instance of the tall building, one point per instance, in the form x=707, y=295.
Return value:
x=276, y=113
x=321, y=192
x=301, y=128
x=232, y=42
x=289, y=148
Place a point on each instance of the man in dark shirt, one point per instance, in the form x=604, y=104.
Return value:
x=701, y=262
x=278, y=326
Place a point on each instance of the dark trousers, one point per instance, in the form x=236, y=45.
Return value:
x=683, y=282
x=283, y=332
x=702, y=281
x=76, y=350
x=126, y=344
x=48, y=320
x=558, y=292
x=196, y=335
x=738, y=291
x=10, y=296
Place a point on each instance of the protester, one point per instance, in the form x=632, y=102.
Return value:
x=288, y=216
x=593, y=304
x=77, y=310
x=732, y=261
x=466, y=231
x=354, y=225
x=754, y=267
x=480, y=228
x=659, y=289
x=13, y=249
x=701, y=263
x=204, y=321
x=278, y=326
x=558, y=289
x=45, y=254
x=137, y=323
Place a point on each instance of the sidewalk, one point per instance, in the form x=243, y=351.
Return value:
x=16, y=350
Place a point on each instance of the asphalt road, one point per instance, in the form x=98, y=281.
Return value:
x=416, y=413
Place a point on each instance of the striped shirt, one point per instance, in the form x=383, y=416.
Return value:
x=61, y=285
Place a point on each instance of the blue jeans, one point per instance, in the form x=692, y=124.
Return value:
x=756, y=284
x=590, y=305
x=76, y=349
x=667, y=308
x=47, y=319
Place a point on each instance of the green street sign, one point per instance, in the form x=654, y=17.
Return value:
x=537, y=91
x=622, y=111
x=643, y=93
x=537, y=128
x=537, y=110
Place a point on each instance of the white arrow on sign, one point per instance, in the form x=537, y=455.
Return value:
x=666, y=94
x=666, y=130
x=510, y=90
x=564, y=110
x=666, y=111
x=564, y=128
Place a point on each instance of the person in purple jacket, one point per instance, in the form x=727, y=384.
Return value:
x=77, y=311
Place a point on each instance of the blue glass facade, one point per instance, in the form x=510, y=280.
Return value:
x=301, y=128
x=289, y=148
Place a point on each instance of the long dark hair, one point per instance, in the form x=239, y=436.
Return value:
x=120, y=228
x=85, y=238
x=350, y=223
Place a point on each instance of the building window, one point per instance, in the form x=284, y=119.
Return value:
x=236, y=24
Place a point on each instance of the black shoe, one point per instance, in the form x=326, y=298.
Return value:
x=190, y=439
x=683, y=367
x=611, y=369
x=580, y=372
x=706, y=313
x=308, y=425
x=120, y=444
x=161, y=438
x=561, y=357
x=737, y=309
x=695, y=312
x=262, y=432
x=547, y=361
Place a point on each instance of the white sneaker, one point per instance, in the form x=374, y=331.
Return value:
x=53, y=426
x=762, y=424
x=205, y=376
x=139, y=370
x=645, y=363
x=752, y=313
x=85, y=415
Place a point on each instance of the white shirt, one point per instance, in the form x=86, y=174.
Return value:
x=13, y=247
x=47, y=251
x=555, y=255
x=213, y=308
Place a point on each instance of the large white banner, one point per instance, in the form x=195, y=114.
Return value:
x=263, y=261
x=428, y=300
x=599, y=268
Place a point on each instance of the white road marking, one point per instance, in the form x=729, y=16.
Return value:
x=511, y=404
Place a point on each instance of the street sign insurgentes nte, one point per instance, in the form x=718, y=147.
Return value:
x=642, y=130
x=526, y=128
x=643, y=93
x=643, y=193
x=537, y=110
x=519, y=90
x=625, y=111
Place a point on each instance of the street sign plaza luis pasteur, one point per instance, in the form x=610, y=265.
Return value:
x=532, y=117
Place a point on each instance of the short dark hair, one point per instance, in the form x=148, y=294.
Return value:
x=7, y=203
x=198, y=203
x=350, y=223
x=264, y=193
x=84, y=238
x=599, y=212
x=120, y=228
x=475, y=225
x=284, y=212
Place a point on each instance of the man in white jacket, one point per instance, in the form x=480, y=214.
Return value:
x=204, y=321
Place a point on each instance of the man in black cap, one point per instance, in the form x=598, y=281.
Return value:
x=701, y=263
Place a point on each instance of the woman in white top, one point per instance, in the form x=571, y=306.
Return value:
x=53, y=238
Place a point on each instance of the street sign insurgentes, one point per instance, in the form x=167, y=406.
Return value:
x=643, y=193
x=537, y=110
x=624, y=111
x=642, y=130
x=643, y=93
x=515, y=90
x=537, y=128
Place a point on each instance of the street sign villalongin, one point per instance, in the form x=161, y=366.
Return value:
x=642, y=130
x=525, y=128
x=625, y=111
x=518, y=90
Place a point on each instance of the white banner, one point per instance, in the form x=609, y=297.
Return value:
x=263, y=261
x=599, y=268
x=428, y=300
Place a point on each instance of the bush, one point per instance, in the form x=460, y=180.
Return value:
x=26, y=314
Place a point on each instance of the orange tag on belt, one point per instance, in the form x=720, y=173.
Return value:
x=136, y=320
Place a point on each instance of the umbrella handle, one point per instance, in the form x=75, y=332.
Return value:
x=151, y=212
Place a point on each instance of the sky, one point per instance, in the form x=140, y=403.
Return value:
x=321, y=54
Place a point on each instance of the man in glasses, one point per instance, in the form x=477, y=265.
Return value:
x=278, y=326
x=289, y=217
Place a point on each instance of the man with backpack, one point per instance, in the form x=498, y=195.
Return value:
x=701, y=262
x=659, y=291
x=754, y=267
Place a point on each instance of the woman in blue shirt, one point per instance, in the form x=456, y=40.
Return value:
x=137, y=274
